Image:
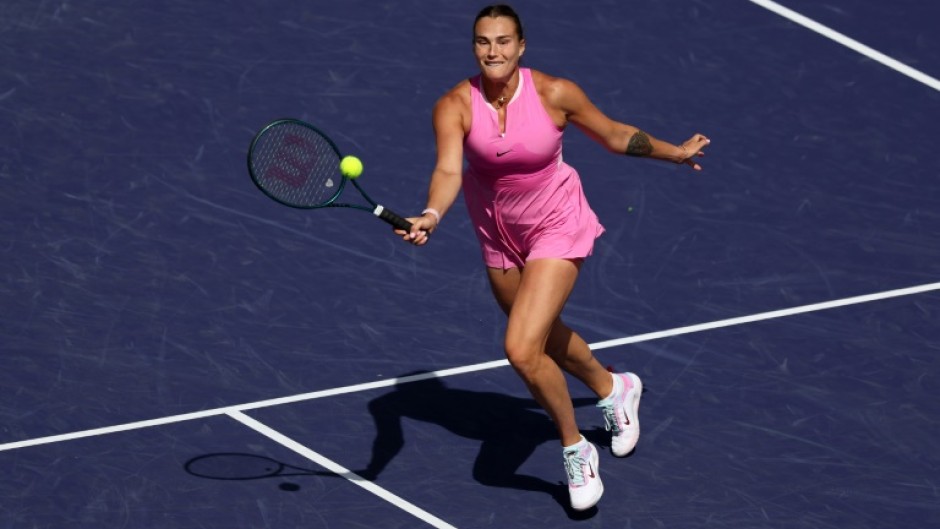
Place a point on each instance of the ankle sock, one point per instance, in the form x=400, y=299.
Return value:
x=618, y=387
x=575, y=446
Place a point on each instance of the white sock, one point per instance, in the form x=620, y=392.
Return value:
x=574, y=446
x=618, y=387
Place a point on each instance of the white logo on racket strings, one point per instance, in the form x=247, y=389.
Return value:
x=329, y=182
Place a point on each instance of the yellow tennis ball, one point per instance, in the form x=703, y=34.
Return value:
x=350, y=166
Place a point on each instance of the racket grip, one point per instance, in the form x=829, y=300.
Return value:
x=390, y=217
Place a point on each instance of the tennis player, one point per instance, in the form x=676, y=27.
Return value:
x=535, y=226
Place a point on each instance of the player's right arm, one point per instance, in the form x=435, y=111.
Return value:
x=451, y=121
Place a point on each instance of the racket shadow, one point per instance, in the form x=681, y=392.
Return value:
x=239, y=466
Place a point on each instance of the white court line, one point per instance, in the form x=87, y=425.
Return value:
x=850, y=43
x=338, y=469
x=768, y=315
x=205, y=414
x=467, y=369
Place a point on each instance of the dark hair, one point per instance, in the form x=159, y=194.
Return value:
x=500, y=10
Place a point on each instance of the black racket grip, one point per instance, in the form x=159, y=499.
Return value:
x=392, y=218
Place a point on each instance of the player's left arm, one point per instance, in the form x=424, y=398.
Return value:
x=619, y=137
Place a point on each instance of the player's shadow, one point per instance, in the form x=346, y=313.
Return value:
x=508, y=428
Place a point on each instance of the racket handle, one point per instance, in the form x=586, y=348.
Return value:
x=390, y=217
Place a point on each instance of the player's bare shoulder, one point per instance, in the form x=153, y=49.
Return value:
x=556, y=94
x=454, y=105
x=546, y=85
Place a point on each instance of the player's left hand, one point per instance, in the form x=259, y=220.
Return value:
x=691, y=149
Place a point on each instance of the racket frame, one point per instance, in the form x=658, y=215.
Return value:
x=375, y=208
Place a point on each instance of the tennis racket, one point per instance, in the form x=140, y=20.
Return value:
x=297, y=165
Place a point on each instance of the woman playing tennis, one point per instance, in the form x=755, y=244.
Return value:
x=534, y=224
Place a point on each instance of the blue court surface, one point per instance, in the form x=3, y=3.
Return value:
x=179, y=351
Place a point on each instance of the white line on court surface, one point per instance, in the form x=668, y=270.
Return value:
x=468, y=369
x=767, y=315
x=338, y=469
x=848, y=42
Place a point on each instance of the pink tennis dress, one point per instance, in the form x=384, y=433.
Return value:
x=524, y=201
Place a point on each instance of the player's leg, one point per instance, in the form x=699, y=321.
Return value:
x=573, y=354
x=563, y=345
x=533, y=298
x=619, y=393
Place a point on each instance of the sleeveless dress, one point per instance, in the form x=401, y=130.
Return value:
x=524, y=202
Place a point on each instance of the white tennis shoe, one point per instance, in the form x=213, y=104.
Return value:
x=584, y=480
x=621, y=413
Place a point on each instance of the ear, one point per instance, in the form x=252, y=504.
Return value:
x=521, y=47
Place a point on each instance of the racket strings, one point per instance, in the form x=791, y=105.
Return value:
x=296, y=165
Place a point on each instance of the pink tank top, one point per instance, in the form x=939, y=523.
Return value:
x=530, y=147
x=524, y=202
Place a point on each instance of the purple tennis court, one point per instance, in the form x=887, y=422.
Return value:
x=180, y=351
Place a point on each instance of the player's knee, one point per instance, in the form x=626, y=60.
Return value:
x=522, y=356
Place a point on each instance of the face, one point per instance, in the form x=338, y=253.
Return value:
x=497, y=47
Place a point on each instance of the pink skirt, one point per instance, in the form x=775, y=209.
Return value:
x=536, y=217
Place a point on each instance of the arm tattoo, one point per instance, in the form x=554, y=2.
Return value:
x=639, y=145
